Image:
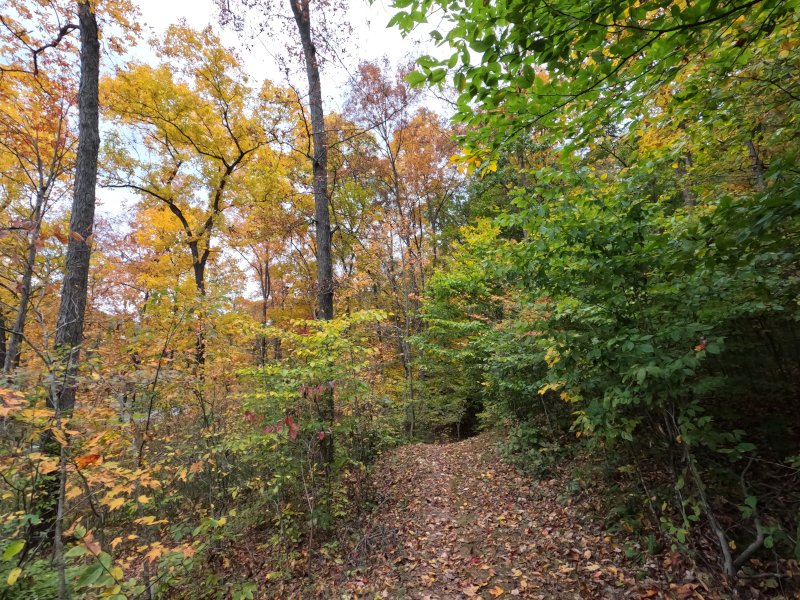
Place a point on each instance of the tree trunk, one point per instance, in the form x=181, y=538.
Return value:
x=69, y=332
x=265, y=284
x=2, y=338
x=302, y=17
x=11, y=361
x=758, y=166
x=200, y=286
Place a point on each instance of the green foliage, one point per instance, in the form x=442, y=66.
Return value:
x=532, y=449
x=312, y=427
x=640, y=284
x=461, y=305
x=583, y=65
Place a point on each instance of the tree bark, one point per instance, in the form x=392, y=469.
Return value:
x=69, y=332
x=2, y=338
x=302, y=16
x=74, y=291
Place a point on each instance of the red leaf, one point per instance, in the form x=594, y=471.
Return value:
x=293, y=428
x=76, y=236
x=320, y=435
x=277, y=427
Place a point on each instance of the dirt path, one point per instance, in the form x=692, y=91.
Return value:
x=456, y=522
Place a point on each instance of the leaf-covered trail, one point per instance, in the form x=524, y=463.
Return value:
x=456, y=522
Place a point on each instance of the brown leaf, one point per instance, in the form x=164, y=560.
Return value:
x=91, y=544
x=59, y=235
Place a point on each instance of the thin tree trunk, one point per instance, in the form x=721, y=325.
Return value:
x=758, y=166
x=2, y=339
x=265, y=283
x=11, y=361
x=58, y=536
x=200, y=343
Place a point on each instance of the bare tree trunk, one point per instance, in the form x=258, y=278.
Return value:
x=265, y=283
x=302, y=17
x=69, y=332
x=200, y=287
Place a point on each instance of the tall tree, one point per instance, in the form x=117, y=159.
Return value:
x=310, y=39
x=74, y=290
x=301, y=12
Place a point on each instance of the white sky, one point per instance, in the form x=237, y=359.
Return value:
x=370, y=40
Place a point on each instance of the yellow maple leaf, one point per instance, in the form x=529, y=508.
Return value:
x=149, y=520
x=73, y=492
x=48, y=466
x=113, y=503
x=154, y=553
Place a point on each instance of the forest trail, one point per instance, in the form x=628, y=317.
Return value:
x=456, y=522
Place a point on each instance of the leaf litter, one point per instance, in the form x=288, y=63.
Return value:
x=455, y=521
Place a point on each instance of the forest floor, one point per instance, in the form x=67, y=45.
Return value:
x=455, y=521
